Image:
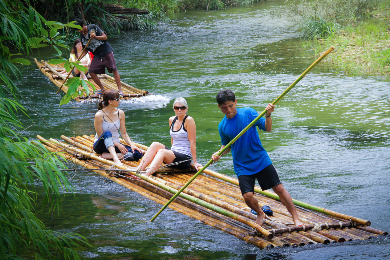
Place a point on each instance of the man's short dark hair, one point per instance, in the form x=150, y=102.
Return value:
x=225, y=95
x=79, y=22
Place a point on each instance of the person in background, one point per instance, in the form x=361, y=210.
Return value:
x=109, y=120
x=75, y=54
x=183, y=141
x=102, y=52
x=250, y=160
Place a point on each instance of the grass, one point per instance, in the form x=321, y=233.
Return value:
x=360, y=50
x=358, y=29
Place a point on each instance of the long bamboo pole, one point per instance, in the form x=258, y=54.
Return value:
x=246, y=128
x=205, y=204
x=72, y=69
x=296, y=202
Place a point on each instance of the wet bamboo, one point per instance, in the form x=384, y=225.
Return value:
x=190, y=198
x=315, y=237
x=130, y=87
x=349, y=235
x=247, y=127
x=215, y=208
x=77, y=143
x=332, y=235
x=311, y=226
x=54, y=71
x=77, y=60
x=359, y=233
x=207, y=189
x=346, y=236
x=373, y=230
x=205, y=217
x=261, y=245
x=217, y=202
x=295, y=239
x=296, y=202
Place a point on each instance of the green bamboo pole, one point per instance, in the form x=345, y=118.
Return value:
x=205, y=204
x=296, y=202
x=246, y=128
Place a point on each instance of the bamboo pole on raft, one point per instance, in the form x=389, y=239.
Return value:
x=246, y=128
x=205, y=204
x=296, y=202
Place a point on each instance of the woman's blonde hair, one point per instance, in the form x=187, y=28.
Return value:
x=181, y=101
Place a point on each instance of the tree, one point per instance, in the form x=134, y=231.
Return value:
x=24, y=162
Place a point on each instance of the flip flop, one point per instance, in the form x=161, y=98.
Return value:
x=266, y=209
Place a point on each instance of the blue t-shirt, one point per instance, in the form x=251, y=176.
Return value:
x=249, y=156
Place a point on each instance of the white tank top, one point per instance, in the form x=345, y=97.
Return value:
x=180, y=143
x=112, y=127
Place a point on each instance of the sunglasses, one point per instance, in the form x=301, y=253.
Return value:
x=182, y=108
x=117, y=99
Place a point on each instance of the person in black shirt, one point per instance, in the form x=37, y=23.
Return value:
x=102, y=51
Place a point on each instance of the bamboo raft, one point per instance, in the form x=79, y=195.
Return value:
x=52, y=72
x=215, y=199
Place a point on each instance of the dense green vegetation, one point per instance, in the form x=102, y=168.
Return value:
x=24, y=163
x=357, y=28
x=97, y=12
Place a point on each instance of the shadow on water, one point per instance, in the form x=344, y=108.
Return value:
x=329, y=141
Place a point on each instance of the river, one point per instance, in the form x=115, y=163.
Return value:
x=330, y=139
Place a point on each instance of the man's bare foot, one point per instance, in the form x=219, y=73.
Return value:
x=298, y=222
x=260, y=218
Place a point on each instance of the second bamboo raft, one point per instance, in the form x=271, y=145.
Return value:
x=215, y=199
x=53, y=73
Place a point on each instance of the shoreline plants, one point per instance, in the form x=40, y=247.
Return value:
x=358, y=29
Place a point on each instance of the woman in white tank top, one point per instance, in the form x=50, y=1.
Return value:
x=183, y=143
x=109, y=120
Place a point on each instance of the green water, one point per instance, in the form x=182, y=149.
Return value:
x=330, y=138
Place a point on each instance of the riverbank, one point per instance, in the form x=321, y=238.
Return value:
x=361, y=48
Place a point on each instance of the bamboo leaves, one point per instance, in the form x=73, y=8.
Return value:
x=24, y=163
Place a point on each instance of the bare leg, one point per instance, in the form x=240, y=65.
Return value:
x=252, y=202
x=149, y=155
x=286, y=199
x=109, y=156
x=97, y=81
x=82, y=75
x=111, y=149
x=163, y=155
x=118, y=81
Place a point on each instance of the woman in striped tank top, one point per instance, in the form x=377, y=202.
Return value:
x=183, y=143
x=109, y=120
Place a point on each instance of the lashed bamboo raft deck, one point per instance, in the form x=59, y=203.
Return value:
x=224, y=207
x=53, y=73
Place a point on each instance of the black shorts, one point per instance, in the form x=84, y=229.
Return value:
x=183, y=161
x=267, y=178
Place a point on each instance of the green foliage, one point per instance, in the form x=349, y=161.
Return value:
x=384, y=58
x=23, y=163
x=315, y=28
x=73, y=83
x=322, y=17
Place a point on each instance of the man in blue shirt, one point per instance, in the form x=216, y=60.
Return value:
x=250, y=160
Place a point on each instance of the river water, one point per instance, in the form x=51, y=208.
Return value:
x=330, y=139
